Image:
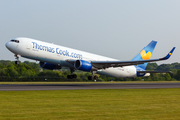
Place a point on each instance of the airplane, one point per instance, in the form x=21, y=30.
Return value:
x=51, y=56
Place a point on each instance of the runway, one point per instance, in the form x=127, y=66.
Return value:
x=24, y=87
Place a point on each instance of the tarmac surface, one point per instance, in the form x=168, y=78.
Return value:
x=24, y=87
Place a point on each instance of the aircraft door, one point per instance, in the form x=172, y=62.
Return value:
x=28, y=46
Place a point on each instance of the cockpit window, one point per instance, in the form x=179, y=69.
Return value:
x=17, y=41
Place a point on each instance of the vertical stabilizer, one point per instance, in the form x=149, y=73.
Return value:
x=145, y=54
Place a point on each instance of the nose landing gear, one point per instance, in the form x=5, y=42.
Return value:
x=17, y=61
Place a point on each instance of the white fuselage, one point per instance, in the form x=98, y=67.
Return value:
x=55, y=54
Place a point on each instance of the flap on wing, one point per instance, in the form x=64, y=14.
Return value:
x=154, y=71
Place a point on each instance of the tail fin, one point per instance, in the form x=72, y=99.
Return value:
x=145, y=54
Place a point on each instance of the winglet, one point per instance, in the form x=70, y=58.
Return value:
x=168, y=55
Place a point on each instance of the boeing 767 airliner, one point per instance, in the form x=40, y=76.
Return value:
x=54, y=57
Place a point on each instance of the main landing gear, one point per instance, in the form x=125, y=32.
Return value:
x=17, y=61
x=72, y=75
x=93, y=77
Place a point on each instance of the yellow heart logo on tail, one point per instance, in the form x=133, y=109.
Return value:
x=144, y=55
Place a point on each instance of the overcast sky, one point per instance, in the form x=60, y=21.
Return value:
x=112, y=28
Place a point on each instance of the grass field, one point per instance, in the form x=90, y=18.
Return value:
x=122, y=104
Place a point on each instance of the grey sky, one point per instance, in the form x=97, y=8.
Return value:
x=112, y=28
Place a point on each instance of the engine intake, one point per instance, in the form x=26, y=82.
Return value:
x=83, y=65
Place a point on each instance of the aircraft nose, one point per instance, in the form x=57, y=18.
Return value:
x=7, y=45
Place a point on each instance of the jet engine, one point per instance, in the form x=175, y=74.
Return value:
x=49, y=66
x=83, y=65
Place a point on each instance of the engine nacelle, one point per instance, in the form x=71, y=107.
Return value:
x=49, y=66
x=142, y=74
x=83, y=65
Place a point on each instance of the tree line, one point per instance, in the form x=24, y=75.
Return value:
x=31, y=71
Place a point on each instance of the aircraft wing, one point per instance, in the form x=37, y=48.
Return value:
x=107, y=64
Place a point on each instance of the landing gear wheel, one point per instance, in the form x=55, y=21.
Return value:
x=71, y=76
x=90, y=77
x=17, y=62
x=95, y=77
x=74, y=76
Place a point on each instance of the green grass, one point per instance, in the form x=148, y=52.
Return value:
x=123, y=104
